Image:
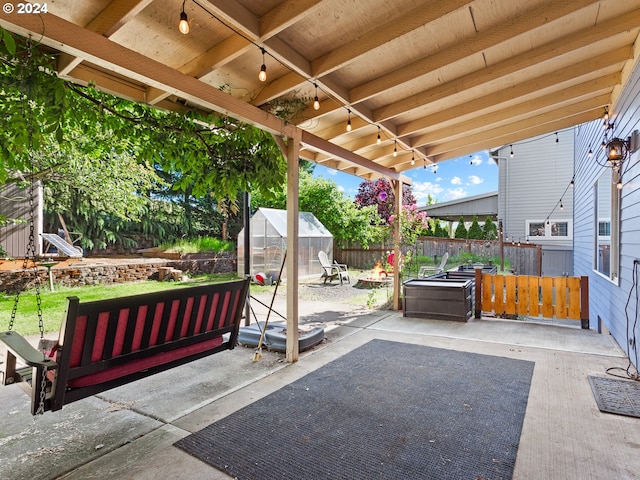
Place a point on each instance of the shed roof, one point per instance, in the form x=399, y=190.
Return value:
x=309, y=225
x=483, y=205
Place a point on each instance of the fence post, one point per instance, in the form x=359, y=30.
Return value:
x=478, y=287
x=584, y=302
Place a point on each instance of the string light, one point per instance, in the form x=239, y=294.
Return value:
x=262, y=76
x=183, y=26
x=413, y=158
x=511, y=151
x=348, y=120
x=557, y=139
x=378, y=140
x=561, y=206
x=395, y=148
x=425, y=163
x=590, y=152
x=316, y=102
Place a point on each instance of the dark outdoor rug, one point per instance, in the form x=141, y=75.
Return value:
x=616, y=395
x=384, y=410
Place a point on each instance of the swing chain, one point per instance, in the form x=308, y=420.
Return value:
x=31, y=245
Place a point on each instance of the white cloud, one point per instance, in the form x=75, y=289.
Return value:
x=476, y=160
x=331, y=171
x=421, y=191
x=456, y=181
x=341, y=189
x=455, y=194
x=475, y=180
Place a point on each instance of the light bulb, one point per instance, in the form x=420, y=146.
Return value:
x=378, y=140
x=316, y=102
x=349, y=121
x=395, y=148
x=262, y=76
x=619, y=184
x=511, y=151
x=183, y=26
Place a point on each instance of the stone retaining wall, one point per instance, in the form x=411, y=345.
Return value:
x=94, y=273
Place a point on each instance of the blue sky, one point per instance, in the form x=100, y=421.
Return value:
x=457, y=178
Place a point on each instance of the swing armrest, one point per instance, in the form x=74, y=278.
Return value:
x=23, y=350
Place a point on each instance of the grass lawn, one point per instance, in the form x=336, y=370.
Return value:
x=54, y=303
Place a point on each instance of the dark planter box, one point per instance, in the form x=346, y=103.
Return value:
x=438, y=298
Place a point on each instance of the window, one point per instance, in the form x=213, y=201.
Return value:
x=559, y=229
x=556, y=229
x=604, y=228
x=606, y=215
x=536, y=229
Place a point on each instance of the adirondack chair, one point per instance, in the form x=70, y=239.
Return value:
x=332, y=270
x=430, y=270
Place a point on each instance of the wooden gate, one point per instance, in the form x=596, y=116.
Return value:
x=550, y=297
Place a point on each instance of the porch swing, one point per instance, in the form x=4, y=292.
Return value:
x=107, y=343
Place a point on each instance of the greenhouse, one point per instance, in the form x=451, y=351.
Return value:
x=268, y=239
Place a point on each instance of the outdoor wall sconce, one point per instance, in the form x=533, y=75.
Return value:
x=617, y=150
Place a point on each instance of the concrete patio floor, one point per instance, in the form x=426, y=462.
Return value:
x=128, y=432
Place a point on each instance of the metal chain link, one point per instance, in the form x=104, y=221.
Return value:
x=31, y=245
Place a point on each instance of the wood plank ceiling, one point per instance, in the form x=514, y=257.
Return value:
x=434, y=80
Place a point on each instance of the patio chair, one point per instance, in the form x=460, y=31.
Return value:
x=332, y=270
x=432, y=270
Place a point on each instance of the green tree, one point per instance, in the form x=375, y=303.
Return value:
x=475, y=231
x=489, y=230
x=345, y=220
x=461, y=230
x=52, y=129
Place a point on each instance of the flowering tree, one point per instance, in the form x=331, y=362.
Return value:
x=413, y=223
x=380, y=193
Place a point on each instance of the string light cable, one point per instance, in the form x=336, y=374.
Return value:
x=631, y=372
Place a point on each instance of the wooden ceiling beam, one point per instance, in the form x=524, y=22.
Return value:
x=276, y=88
x=547, y=52
x=528, y=87
x=558, y=99
x=489, y=136
x=382, y=34
x=334, y=150
x=520, y=135
x=217, y=56
x=467, y=47
x=285, y=15
x=115, y=15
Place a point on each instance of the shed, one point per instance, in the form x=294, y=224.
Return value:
x=268, y=239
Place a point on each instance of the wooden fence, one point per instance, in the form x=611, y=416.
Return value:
x=524, y=259
x=549, y=297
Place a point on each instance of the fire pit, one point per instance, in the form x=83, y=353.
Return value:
x=378, y=277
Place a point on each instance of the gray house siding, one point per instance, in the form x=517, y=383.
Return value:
x=608, y=297
x=533, y=183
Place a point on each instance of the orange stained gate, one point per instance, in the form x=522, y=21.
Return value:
x=550, y=297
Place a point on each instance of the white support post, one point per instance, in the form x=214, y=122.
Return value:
x=293, y=151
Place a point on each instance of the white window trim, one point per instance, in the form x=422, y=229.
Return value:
x=547, y=230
